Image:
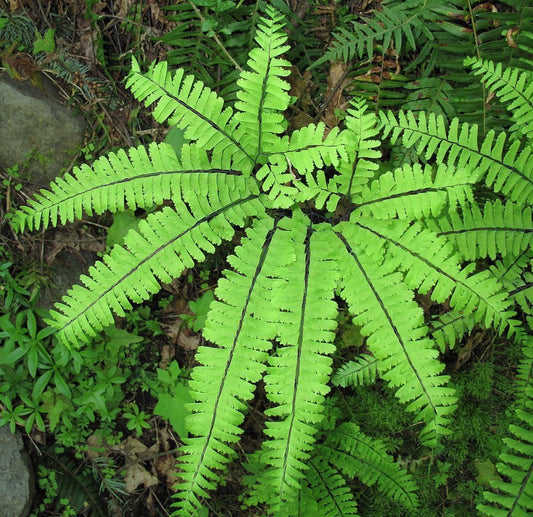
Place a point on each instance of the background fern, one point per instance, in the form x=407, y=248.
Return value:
x=410, y=54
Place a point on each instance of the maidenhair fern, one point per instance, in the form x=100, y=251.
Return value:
x=325, y=221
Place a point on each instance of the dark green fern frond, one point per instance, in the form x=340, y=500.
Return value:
x=513, y=495
x=348, y=449
x=513, y=86
x=402, y=23
x=360, y=371
x=499, y=229
x=430, y=95
x=328, y=490
x=221, y=49
x=74, y=484
x=525, y=44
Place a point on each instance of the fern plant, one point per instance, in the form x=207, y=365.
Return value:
x=410, y=53
x=499, y=231
x=324, y=221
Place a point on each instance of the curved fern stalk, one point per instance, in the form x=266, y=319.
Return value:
x=348, y=449
x=142, y=177
x=224, y=381
x=513, y=86
x=297, y=375
x=166, y=243
x=507, y=166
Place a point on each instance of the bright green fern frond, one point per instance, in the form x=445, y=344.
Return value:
x=413, y=193
x=360, y=371
x=262, y=97
x=358, y=455
x=449, y=328
x=506, y=165
x=383, y=306
x=226, y=377
x=277, y=178
x=362, y=147
x=524, y=376
x=322, y=191
x=167, y=242
x=188, y=104
x=513, y=86
x=499, y=229
x=310, y=148
x=429, y=262
x=512, y=273
x=516, y=275
x=329, y=491
x=143, y=177
x=298, y=373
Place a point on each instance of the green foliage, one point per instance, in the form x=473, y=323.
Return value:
x=68, y=491
x=410, y=54
x=173, y=398
x=512, y=494
x=325, y=220
x=48, y=387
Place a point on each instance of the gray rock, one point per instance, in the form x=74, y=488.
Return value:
x=64, y=273
x=37, y=132
x=17, y=484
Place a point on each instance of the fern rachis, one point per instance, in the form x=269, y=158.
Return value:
x=274, y=316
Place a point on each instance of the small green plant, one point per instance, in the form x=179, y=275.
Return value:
x=43, y=385
x=200, y=308
x=173, y=397
x=136, y=420
x=327, y=220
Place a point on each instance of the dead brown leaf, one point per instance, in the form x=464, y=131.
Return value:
x=137, y=475
x=337, y=81
x=166, y=467
x=122, y=7
x=134, y=452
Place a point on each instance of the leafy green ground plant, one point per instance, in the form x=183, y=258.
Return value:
x=47, y=386
x=326, y=220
